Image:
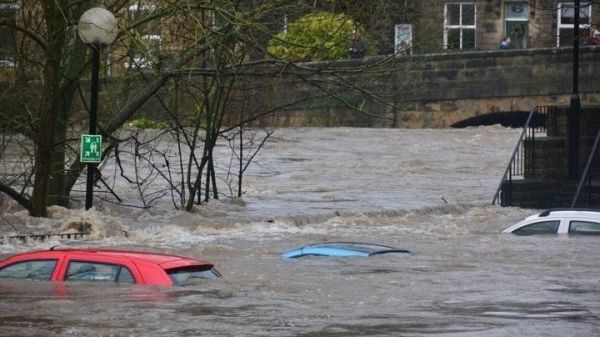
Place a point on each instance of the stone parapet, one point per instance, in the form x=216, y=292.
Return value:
x=433, y=90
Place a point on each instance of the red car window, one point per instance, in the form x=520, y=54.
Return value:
x=189, y=275
x=99, y=272
x=30, y=269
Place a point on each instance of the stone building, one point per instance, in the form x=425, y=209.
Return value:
x=481, y=24
x=432, y=26
x=400, y=26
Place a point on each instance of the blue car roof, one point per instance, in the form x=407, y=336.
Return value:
x=341, y=249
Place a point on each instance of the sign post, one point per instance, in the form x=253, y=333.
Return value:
x=97, y=27
x=91, y=149
x=90, y=152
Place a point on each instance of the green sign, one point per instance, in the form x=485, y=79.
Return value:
x=91, y=149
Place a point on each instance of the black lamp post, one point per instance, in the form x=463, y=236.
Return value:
x=97, y=27
x=575, y=111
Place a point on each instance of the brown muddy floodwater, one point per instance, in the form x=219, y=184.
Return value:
x=463, y=277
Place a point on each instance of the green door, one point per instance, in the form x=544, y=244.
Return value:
x=517, y=31
x=516, y=24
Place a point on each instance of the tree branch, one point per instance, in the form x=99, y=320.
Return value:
x=22, y=200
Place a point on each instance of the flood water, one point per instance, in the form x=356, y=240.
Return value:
x=427, y=191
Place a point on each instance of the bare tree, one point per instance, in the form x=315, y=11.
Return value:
x=208, y=80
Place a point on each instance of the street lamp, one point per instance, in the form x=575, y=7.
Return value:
x=574, y=115
x=96, y=27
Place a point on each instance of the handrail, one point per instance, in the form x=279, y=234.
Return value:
x=586, y=170
x=43, y=237
x=514, y=155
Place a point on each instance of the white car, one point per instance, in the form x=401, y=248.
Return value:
x=559, y=221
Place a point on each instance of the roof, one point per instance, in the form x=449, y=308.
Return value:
x=556, y=214
x=156, y=258
x=341, y=249
x=571, y=211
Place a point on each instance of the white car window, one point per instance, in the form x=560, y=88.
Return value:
x=584, y=227
x=542, y=227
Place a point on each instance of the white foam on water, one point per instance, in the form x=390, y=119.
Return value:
x=322, y=182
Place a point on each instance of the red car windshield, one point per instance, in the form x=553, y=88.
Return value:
x=191, y=275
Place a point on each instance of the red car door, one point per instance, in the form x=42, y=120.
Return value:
x=104, y=267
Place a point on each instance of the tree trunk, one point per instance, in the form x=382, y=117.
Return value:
x=58, y=194
x=48, y=116
x=241, y=156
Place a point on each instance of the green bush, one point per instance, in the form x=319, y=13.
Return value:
x=318, y=36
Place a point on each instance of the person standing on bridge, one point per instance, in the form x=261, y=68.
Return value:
x=505, y=44
x=357, y=48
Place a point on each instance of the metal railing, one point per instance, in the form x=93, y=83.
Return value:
x=591, y=170
x=42, y=237
x=522, y=161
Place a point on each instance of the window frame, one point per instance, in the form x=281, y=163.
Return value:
x=55, y=261
x=206, y=272
x=524, y=18
x=94, y=262
x=521, y=230
x=461, y=27
x=572, y=232
x=9, y=8
x=559, y=25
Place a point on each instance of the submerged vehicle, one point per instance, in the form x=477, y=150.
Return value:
x=107, y=265
x=559, y=221
x=342, y=249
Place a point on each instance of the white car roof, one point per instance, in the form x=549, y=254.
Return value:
x=554, y=214
x=568, y=213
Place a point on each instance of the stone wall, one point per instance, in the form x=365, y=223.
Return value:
x=431, y=91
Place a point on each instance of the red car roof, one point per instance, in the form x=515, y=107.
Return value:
x=147, y=268
x=155, y=258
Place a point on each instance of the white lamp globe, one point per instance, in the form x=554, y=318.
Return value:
x=97, y=26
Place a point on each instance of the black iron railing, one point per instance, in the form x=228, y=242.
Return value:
x=541, y=119
x=591, y=171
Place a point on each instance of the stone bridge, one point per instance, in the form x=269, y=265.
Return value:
x=435, y=90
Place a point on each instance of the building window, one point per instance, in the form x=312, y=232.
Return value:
x=8, y=49
x=459, y=26
x=146, y=45
x=566, y=19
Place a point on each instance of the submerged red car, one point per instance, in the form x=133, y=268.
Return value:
x=105, y=265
